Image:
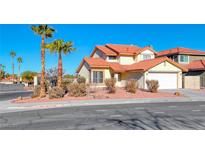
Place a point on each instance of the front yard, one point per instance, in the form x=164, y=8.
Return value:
x=102, y=94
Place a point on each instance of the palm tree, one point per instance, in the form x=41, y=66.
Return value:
x=12, y=54
x=20, y=61
x=45, y=32
x=59, y=47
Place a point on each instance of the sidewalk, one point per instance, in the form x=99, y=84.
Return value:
x=190, y=96
x=6, y=106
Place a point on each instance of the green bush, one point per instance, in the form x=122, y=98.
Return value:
x=110, y=84
x=152, y=85
x=77, y=89
x=131, y=86
x=56, y=92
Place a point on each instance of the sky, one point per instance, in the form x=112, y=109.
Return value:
x=21, y=39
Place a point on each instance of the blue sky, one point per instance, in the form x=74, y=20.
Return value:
x=22, y=40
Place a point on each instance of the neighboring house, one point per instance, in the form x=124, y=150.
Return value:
x=125, y=62
x=193, y=60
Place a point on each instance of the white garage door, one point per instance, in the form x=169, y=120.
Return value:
x=166, y=80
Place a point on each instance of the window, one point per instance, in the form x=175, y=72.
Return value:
x=97, y=77
x=184, y=58
x=112, y=57
x=145, y=57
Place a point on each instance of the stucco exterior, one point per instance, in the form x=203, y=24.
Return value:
x=126, y=60
x=85, y=72
x=146, y=52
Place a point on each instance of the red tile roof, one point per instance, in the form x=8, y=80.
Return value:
x=120, y=49
x=141, y=66
x=180, y=50
x=106, y=51
x=196, y=65
x=117, y=68
x=123, y=49
x=145, y=65
x=96, y=62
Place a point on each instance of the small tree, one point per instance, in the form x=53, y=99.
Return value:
x=2, y=72
x=131, y=86
x=152, y=85
x=28, y=76
x=110, y=84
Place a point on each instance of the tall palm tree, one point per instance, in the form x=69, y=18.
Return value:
x=20, y=61
x=45, y=32
x=12, y=54
x=59, y=47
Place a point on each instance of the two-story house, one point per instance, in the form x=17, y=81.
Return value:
x=193, y=60
x=125, y=62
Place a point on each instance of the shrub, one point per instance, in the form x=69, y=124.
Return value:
x=56, y=92
x=110, y=84
x=81, y=79
x=152, y=85
x=131, y=86
x=36, y=91
x=77, y=89
x=66, y=83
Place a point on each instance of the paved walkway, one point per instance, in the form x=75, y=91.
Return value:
x=194, y=95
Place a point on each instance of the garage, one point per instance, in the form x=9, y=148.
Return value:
x=166, y=80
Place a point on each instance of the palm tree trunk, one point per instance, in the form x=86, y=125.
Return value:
x=43, y=90
x=12, y=69
x=60, y=70
x=19, y=74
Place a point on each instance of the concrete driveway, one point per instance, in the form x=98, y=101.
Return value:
x=194, y=95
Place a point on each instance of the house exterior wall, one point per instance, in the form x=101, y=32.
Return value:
x=146, y=52
x=192, y=58
x=84, y=71
x=126, y=60
x=139, y=77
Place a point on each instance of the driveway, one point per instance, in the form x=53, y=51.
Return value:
x=194, y=95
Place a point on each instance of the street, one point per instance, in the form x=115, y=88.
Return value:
x=14, y=94
x=139, y=116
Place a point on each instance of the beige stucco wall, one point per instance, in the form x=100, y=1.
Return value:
x=192, y=58
x=146, y=52
x=166, y=67
x=139, y=77
x=126, y=60
x=84, y=71
x=192, y=82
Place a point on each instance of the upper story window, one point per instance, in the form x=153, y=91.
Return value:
x=112, y=57
x=146, y=56
x=184, y=58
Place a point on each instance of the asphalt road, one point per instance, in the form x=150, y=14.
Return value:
x=14, y=94
x=156, y=116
